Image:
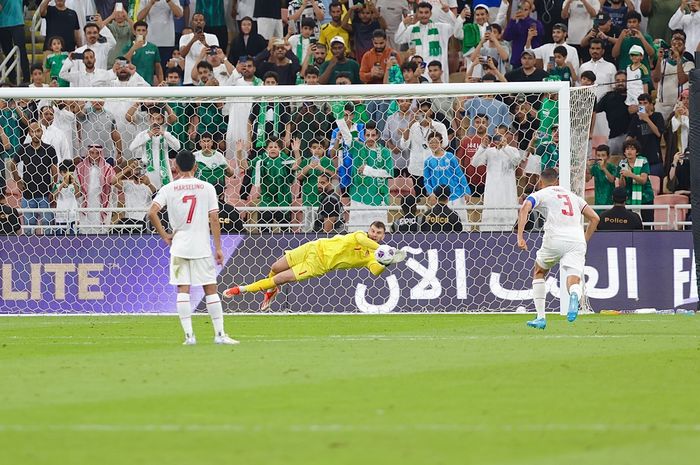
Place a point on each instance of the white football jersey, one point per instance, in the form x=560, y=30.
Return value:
x=189, y=202
x=562, y=209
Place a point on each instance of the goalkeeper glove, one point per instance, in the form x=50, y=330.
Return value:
x=399, y=256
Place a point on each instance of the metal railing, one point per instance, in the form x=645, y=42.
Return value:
x=35, y=29
x=9, y=64
x=672, y=220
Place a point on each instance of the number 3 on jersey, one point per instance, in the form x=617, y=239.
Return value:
x=193, y=203
x=567, y=211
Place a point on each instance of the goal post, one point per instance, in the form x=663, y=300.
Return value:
x=583, y=99
x=109, y=260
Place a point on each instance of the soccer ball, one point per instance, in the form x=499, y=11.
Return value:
x=384, y=254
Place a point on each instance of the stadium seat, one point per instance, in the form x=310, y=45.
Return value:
x=675, y=215
x=655, y=184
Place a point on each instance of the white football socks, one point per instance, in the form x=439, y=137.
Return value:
x=216, y=312
x=576, y=289
x=538, y=295
x=185, y=312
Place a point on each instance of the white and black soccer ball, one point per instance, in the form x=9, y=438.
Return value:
x=384, y=254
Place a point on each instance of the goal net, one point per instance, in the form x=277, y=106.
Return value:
x=445, y=166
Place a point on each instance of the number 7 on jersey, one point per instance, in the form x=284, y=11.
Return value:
x=193, y=204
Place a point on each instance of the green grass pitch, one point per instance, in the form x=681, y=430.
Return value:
x=392, y=389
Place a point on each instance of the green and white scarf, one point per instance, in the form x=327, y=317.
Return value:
x=162, y=157
x=434, y=48
x=257, y=81
x=262, y=126
x=636, y=187
x=300, y=56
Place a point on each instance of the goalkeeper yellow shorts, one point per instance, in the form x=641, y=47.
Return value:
x=305, y=262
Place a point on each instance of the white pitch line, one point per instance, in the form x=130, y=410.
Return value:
x=92, y=340
x=345, y=428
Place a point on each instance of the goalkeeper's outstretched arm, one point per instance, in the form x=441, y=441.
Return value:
x=377, y=268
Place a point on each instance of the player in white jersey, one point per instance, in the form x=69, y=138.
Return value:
x=192, y=210
x=564, y=241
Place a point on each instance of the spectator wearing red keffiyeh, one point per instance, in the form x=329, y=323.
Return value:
x=95, y=177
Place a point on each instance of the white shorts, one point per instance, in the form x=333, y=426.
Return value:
x=571, y=256
x=192, y=271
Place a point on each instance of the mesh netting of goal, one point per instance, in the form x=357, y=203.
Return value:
x=291, y=164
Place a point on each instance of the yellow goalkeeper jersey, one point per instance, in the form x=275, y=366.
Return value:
x=354, y=250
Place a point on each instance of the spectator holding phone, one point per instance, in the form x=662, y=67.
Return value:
x=646, y=127
x=80, y=71
x=121, y=27
x=376, y=61
x=471, y=33
x=152, y=147
x=66, y=192
x=602, y=30
x=629, y=38
x=491, y=46
x=160, y=16
x=138, y=192
x=670, y=75
x=221, y=68
x=523, y=29
x=144, y=55
x=679, y=174
x=99, y=39
x=191, y=45
x=604, y=174
x=500, y=193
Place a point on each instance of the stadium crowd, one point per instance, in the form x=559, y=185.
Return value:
x=444, y=153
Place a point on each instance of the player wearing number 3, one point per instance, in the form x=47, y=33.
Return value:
x=192, y=210
x=316, y=258
x=564, y=241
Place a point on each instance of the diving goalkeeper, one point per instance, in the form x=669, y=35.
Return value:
x=316, y=258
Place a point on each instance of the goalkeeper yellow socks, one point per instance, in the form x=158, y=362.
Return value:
x=262, y=285
x=271, y=274
x=185, y=312
x=538, y=295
